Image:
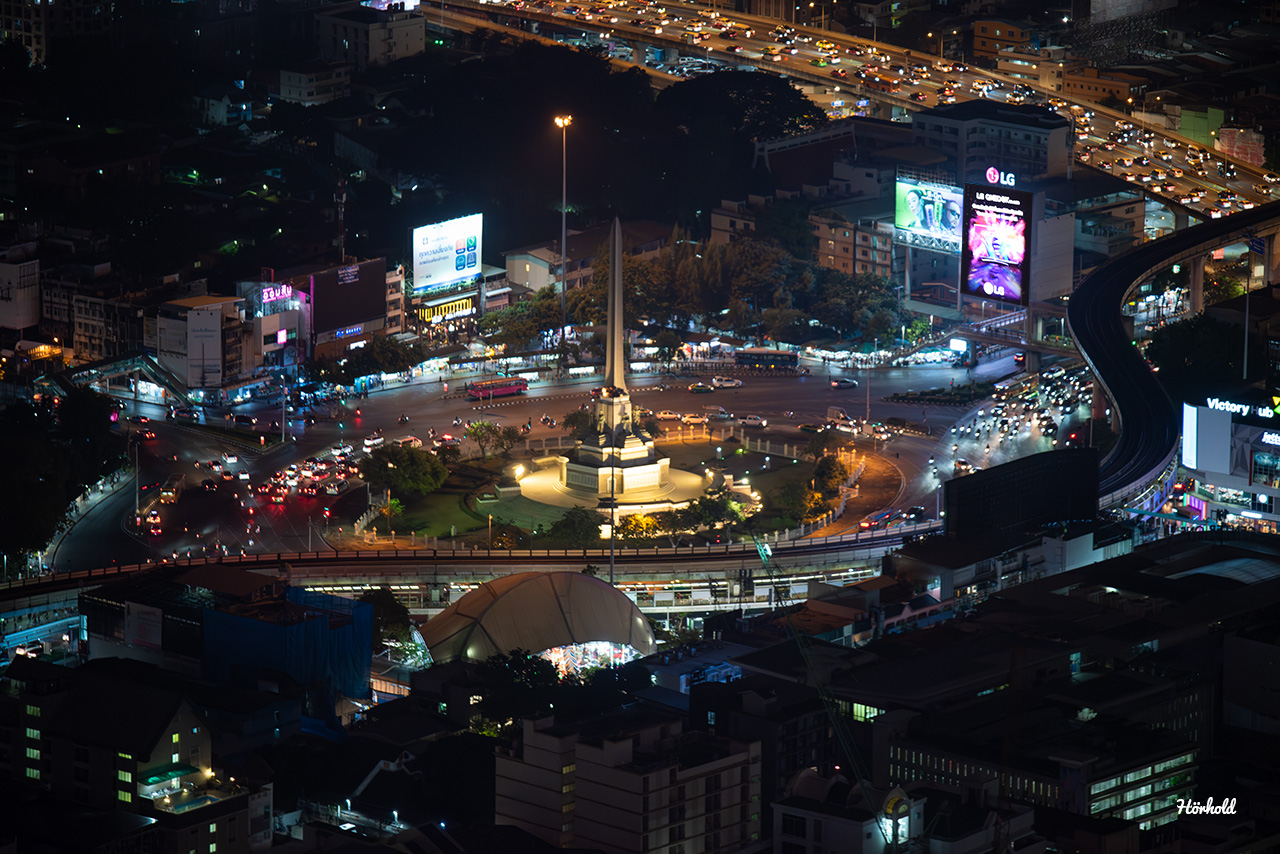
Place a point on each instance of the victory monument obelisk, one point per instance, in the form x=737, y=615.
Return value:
x=619, y=460
x=616, y=465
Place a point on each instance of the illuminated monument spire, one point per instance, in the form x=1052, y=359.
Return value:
x=615, y=361
x=619, y=460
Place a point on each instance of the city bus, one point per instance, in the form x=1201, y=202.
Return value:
x=760, y=357
x=496, y=387
x=881, y=84
x=172, y=488
x=1015, y=386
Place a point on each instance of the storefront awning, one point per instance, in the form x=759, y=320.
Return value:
x=155, y=776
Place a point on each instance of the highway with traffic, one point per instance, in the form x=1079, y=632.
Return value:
x=1169, y=167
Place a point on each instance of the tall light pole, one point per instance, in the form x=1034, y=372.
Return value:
x=563, y=123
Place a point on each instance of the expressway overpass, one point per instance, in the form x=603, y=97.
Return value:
x=1149, y=422
x=419, y=575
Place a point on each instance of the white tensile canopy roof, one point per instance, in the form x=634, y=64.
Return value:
x=536, y=611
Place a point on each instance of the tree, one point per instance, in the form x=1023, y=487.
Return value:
x=519, y=684
x=829, y=475
x=800, y=501
x=1195, y=356
x=485, y=434
x=1222, y=288
x=448, y=455
x=577, y=527
x=673, y=523
x=822, y=444
x=668, y=344
x=580, y=423
x=717, y=506
x=391, y=509
x=390, y=617
x=404, y=470
x=508, y=438
x=636, y=528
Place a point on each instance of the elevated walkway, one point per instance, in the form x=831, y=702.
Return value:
x=128, y=364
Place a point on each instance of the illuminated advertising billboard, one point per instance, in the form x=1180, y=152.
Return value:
x=995, y=260
x=446, y=254
x=927, y=215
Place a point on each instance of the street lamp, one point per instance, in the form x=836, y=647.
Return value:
x=563, y=123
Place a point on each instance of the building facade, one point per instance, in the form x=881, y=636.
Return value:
x=364, y=37
x=631, y=781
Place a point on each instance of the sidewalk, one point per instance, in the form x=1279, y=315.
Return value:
x=93, y=496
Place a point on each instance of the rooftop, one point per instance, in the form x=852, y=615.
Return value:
x=981, y=109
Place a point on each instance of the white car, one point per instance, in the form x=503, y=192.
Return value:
x=667, y=415
x=844, y=382
x=230, y=459
x=753, y=421
x=693, y=418
x=726, y=382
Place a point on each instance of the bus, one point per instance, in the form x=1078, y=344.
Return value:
x=760, y=357
x=1015, y=386
x=882, y=84
x=172, y=488
x=496, y=387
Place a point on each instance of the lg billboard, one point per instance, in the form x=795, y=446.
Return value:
x=995, y=260
x=446, y=254
x=927, y=215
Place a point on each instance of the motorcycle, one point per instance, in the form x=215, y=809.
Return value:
x=525, y=429
x=404, y=419
x=457, y=422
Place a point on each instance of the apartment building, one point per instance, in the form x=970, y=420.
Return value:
x=98, y=742
x=365, y=37
x=631, y=781
x=1025, y=141
x=992, y=35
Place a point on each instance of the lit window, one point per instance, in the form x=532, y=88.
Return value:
x=32, y=732
x=33, y=773
x=34, y=711
x=175, y=738
x=33, y=753
x=213, y=828
x=568, y=769
x=124, y=797
x=125, y=776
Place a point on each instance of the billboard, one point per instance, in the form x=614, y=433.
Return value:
x=1013, y=496
x=927, y=215
x=995, y=260
x=346, y=295
x=446, y=254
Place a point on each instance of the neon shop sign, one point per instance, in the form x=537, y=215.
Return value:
x=275, y=293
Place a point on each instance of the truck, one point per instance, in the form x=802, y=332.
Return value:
x=172, y=488
x=837, y=415
x=410, y=442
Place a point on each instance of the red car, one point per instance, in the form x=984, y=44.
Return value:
x=839, y=73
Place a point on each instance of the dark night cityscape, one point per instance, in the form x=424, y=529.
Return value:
x=510, y=426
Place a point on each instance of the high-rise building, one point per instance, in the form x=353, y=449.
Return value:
x=35, y=24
